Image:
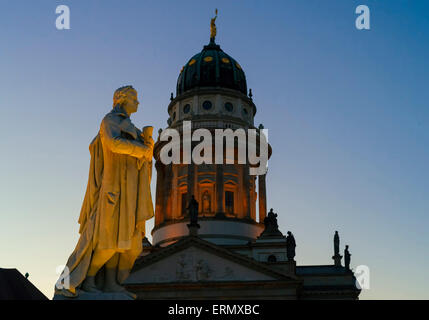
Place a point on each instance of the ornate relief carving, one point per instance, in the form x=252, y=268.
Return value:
x=184, y=268
x=228, y=274
x=190, y=267
x=202, y=270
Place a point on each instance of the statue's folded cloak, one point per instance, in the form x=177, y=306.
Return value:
x=117, y=200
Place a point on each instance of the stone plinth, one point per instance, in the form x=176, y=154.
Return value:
x=337, y=260
x=96, y=296
x=193, y=229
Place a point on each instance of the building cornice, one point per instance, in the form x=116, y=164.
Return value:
x=212, y=90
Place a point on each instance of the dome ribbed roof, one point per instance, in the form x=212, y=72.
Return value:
x=211, y=68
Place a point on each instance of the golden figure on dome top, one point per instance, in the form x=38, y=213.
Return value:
x=213, y=30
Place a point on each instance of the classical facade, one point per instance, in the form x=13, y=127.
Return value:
x=237, y=250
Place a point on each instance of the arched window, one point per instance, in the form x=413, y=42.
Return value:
x=229, y=201
x=187, y=108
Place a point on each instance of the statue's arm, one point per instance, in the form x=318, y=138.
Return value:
x=110, y=134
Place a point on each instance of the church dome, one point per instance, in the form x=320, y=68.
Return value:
x=211, y=68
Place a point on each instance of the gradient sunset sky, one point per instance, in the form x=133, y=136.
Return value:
x=347, y=113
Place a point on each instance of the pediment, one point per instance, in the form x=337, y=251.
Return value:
x=193, y=262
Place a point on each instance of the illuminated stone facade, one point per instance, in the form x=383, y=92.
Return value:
x=213, y=98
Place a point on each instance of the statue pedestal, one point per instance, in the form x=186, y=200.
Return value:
x=337, y=260
x=193, y=229
x=96, y=296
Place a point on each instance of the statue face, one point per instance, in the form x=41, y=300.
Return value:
x=131, y=103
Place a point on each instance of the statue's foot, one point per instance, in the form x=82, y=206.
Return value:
x=66, y=293
x=89, y=285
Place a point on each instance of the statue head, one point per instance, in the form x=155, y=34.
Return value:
x=126, y=98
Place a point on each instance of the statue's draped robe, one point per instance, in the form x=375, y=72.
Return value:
x=118, y=199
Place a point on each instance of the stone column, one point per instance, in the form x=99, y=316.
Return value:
x=167, y=185
x=190, y=183
x=246, y=187
x=220, y=211
x=159, y=197
x=262, y=191
x=253, y=198
x=175, y=203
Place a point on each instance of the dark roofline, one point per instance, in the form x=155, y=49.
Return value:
x=14, y=286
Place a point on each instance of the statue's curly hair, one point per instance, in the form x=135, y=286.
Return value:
x=120, y=94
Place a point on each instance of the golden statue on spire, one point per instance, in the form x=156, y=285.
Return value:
x=213, y=30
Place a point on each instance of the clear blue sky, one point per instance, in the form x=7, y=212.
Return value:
x=347, y=113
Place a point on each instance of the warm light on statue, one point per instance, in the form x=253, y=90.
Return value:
x=117, y=203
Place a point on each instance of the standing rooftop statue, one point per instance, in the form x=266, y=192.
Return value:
x=213, y=30
x=347, y=258
x=290, y=246
x=336, y=243
x=337, y=257
x=116, y=206
x=193, y=210
x=193, y=216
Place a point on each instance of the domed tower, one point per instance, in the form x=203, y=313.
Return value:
x=211, y=93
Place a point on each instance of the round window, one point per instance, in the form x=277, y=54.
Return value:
x=245, y=112
x=229, y=107
x=207, y=105
x=187, y=108
x=174, y=116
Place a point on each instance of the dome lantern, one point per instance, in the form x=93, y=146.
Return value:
x=212, y=67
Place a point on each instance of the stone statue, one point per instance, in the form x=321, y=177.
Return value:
x=271, y=226
x=290, y=246
x=270, y=222
x=193, y=211
x=206, y=201
x=213, y=30
x=337, y=257
x=116, y=205
x=347, y=258
x=336, y=244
